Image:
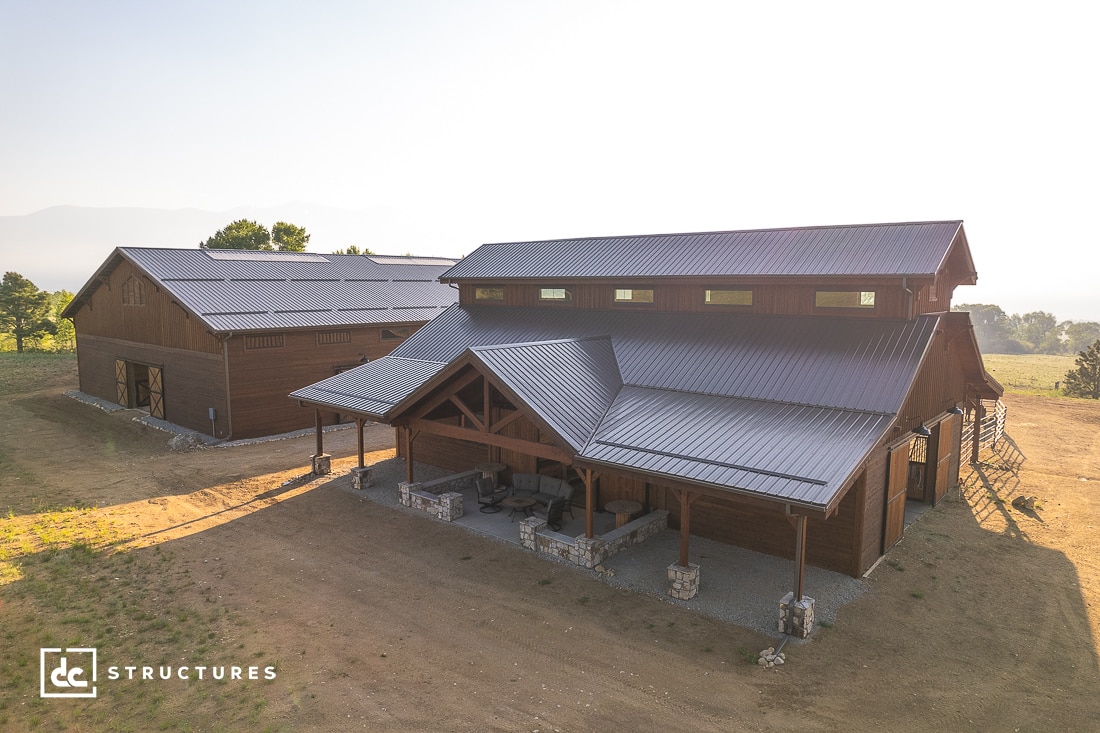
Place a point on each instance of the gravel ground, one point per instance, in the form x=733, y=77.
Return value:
x=737, y=585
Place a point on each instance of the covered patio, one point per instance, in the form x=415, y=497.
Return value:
x=739, y=587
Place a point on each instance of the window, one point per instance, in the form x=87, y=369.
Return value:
x=844, y=299
x=559, y=295
x=484, y=294
x=264, y=341
x=728, y=297
x=133, y=292
x=395, y=333
x=634, y=296
x=333, y=337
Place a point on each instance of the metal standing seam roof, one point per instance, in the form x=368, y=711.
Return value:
x=240, y=290
x=848, y=363
x=569, y=383
x=795, y=453
x=373, y=388
x=777, y=407
x=916, y=249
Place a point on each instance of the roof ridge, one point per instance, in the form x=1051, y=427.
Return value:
x=732, y=231
x=523, y=344
x=764, y=400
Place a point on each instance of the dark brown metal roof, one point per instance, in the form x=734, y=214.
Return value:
x=914, y=249
x=775, y=407
x=245, y=290
x=582, y=372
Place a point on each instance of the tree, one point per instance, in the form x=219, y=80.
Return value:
x=353, y=250
x=64, y=338
x=241, y=234
x=991, y=328
x=1038, y=331
x=24, y=309
x=1080, y=335
x=1084, y=381
x=288, y=237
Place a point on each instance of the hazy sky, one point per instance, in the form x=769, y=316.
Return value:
x=494, y=121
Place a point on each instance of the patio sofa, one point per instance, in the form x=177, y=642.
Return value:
x=544, y=488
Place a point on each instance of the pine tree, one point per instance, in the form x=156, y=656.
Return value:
x=1084, y=381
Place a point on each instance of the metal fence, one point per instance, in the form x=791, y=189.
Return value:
x=992, y=427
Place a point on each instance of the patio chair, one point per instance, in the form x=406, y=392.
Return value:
x=552, y=513
x=489, y=496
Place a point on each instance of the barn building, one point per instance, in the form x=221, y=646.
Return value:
x=213, y=340
x=784, y=390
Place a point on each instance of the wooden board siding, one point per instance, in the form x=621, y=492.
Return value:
x=158, y=322
x=946, y=456
x=192, y=381
x=787, y=297
x=830, y=544
x=898, y=472
x=261, y=378
x=874, y=509
x=449, y=454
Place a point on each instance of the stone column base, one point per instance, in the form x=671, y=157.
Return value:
x=450, y=506
x=322, y=464
x=361, y=478
x=683, y=581
x=796, y=617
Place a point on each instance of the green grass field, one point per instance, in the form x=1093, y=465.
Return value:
x=1029, y=373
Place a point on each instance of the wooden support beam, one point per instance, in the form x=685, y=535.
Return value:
x=320, y=432
x=359, y=440
x=408, y=454
x=976, y=441
x=589, y=504
x=451, y=389
x=799, y=555
x=501, y=424
x=468, y=413
x=539, y=450
x=686, y=498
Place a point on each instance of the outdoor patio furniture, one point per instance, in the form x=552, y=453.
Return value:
x=544, y=488
x=488, y=496
x=552, y=513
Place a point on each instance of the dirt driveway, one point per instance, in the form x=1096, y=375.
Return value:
x=983, y=618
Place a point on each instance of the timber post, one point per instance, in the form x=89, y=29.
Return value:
x=322, y=462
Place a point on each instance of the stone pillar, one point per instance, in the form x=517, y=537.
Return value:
x=450, y=506
x=683, y=581
x=404, y=493
x=361, y=478
x=590, y=551
x=322, y=464
x=529, y=530
x=796, y=617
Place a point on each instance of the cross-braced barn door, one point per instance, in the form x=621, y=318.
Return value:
x=121, y=385
x=156, y=392
x=897, y=481
x=944, y=442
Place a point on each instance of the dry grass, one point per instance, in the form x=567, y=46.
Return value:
x=1029, y=373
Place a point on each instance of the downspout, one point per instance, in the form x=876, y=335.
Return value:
x=905, y=287
x=228, y=395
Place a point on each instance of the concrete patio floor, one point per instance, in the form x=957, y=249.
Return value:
x=736, y=585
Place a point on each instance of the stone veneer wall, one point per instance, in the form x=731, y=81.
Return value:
x=441, y=497
x=589, y=552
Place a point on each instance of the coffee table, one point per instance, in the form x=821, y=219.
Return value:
x=518, y=504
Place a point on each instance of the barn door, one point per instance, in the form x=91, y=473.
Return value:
x=121, y=383
x=896, y=483
x=943, y=456
x=156, y=392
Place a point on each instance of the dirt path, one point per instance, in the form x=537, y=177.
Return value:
x=983, y=618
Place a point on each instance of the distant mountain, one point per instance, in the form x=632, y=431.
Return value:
x=62, y=246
